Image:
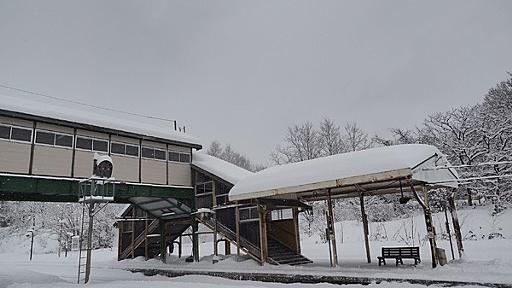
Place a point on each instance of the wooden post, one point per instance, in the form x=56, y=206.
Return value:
x=333, y=230
x=215, y=251
x=227, y=247
x=133, y=233
x=146, y=244
x=163, y=244
x=195, y=240
x=296, y=226
x=237, y=220
x=365, y=228
x=431, y=232
x=179, y=247
x=263, y=234
x=428, y=222
x=214, y=194
x=120, y=240
x=447, y=224
x=456, y=225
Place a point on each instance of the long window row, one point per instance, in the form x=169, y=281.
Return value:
x=16, y=133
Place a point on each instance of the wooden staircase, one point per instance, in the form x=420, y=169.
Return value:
x=283, y=255
x=139, y=240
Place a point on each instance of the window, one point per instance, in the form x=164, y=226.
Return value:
x=185, y=158
x=54, y=139
x=117, y=148
x=174, y=156
x=21, y=134
x=248, y=214
x=5, y=132
x=132, y=150
x=124, y=149
x=8, y=132
x=45, y=138
x=160, y=154
x=179, y=157
x=83, y=143
x=100, y=145
x=153, y=153
x=282, y=214
x=148, y=152
x=63, y=140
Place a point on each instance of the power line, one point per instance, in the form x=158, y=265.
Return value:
x=85, y=104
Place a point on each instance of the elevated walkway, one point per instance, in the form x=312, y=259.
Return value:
x=18, y=187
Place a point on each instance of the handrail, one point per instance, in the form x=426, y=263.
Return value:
x=249, y=247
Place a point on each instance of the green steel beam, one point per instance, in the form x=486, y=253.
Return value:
x=20, y=188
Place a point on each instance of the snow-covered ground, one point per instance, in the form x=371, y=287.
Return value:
x=484, y=261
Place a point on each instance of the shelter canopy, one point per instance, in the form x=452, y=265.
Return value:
x=382, y=170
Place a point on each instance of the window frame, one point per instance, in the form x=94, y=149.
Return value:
x=54, y=145
x=189, y=155
x=154, y=153
x=92, y=144
x=9, y=134
x=125, y=144
x=11, y=126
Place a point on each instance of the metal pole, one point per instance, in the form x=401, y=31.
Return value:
x=32, y=236
x=89, y=243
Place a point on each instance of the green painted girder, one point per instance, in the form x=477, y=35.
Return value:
x=46, y=189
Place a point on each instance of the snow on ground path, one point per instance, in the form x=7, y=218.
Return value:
x=49, y=271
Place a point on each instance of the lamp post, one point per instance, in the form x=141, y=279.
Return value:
x=30, y=233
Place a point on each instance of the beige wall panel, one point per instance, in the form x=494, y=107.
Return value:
x=83, y=163
x=116, y=138
x=179, y=149
x=54, y=128
x=92, y=134
x=14, y=157
x=154, y=171
x=52, y=161
x=154, y=144
x=16, y=121
x=180, y=174
x=125, y=168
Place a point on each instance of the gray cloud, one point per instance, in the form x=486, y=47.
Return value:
x=241, y=71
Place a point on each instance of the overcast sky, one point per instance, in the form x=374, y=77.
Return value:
x=241, y=72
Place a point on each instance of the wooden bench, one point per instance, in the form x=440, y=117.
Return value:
x=399, y=253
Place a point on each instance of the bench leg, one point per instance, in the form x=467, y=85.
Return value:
x=381, y=260
x=399, y=260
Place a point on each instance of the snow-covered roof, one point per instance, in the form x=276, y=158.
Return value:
x=82, y=115
x=349, y=170
x=220, y=168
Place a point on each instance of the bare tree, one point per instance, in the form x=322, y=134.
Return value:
x=355, y=138
x=400, y=136
x=228, y=154
x=457, y=134
x=215, y=149
x=302, y=142
x=330, y=138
